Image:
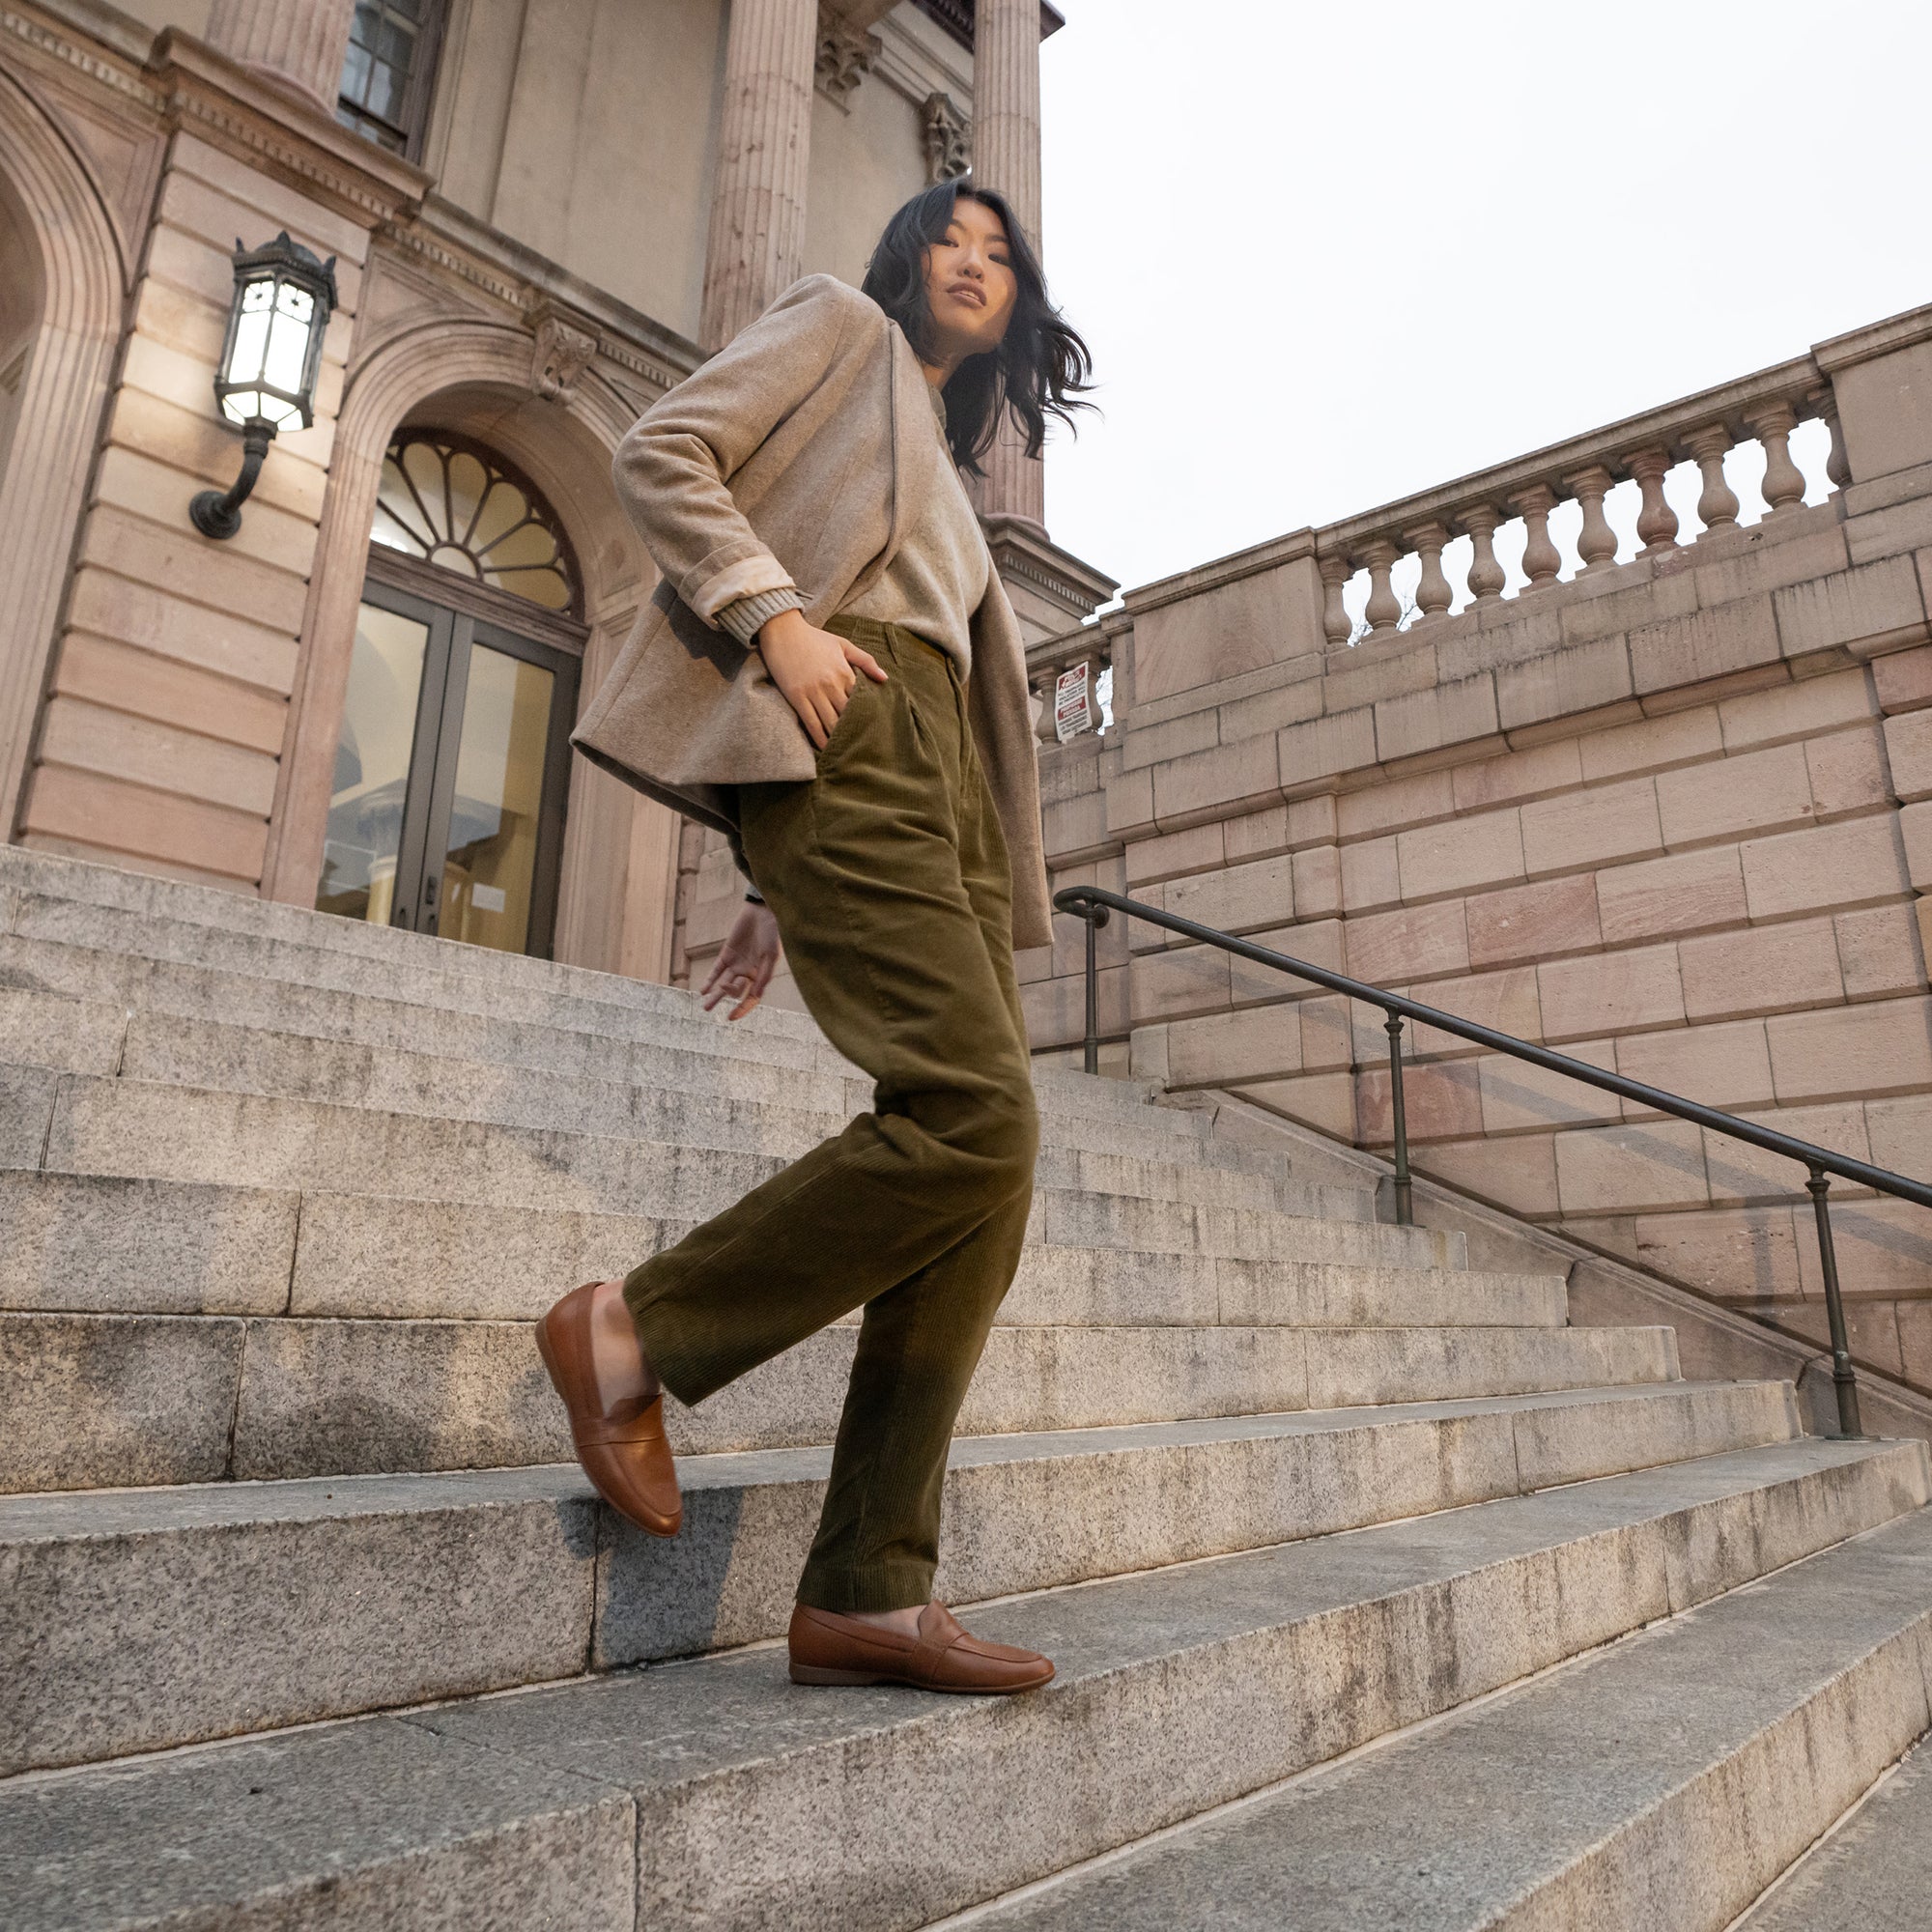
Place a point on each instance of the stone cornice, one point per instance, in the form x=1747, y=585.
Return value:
x=456, y=244
x=1022, y=549
x=229, y=107
x=89, y=43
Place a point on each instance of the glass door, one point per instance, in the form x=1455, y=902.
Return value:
x=446, y=815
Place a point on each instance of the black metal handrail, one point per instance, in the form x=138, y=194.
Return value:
x=1094, y=906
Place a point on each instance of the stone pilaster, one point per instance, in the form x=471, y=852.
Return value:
x=1006, y=157
x=756, y=245
x=298, y=45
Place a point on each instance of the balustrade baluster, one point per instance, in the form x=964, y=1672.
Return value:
x=1596, y=542
x=1541, y=558
x=1384, y=607
x=1718, y=506
x=1784, y=483
x=1096, y=663
x=1657, y=521
x=1433, y=594
x=1824, y=405
x=1486, y=576
x=1043, y=729
x=1335, y=573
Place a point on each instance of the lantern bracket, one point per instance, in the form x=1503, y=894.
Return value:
x=216, y=515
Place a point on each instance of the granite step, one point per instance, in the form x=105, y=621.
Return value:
x=167, y=1051
x=44, y=895
x=89, y=1124
x=101, y=1244
x=387, y=1052
x=47, y=902
x=141, y=1619
x=1873, y=1873
x=1664, y=1782
x=714, y=1793
x=103, y=1401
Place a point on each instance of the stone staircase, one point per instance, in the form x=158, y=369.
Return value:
x=1379, y=1594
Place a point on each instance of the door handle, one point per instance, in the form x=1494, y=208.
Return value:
x=429, y=893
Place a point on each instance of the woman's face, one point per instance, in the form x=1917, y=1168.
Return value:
x=970, y=285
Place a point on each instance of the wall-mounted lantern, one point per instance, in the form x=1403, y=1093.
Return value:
x=266, y=381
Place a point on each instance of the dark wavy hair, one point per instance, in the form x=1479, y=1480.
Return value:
x=1039, y=371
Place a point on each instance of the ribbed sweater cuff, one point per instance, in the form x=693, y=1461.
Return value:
x=745, y=618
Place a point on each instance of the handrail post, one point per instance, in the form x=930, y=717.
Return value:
x=1842, y=1376
x=1404, y=1192
x=1095, y=917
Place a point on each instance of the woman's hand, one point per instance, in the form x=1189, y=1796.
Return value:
x=745, y=964
x=814, y=670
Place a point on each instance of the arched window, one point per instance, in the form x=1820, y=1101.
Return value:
x=447, y=813
x=453, y=503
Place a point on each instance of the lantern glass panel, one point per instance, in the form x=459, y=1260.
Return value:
x=287, y=354
x=270, y=354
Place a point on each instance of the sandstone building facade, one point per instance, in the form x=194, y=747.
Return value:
x=541, y=213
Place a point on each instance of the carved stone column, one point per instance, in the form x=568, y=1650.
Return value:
x=1006, y=157
x=299, y=44
x=756, y=245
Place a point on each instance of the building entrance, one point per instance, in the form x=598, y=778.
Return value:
x=446, y=811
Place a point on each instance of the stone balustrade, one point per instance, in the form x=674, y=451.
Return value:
x=1623, y=746
x=1510, y=529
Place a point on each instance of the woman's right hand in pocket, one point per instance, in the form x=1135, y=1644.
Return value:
x=815, y=670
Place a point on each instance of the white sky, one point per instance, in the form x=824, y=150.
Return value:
x=1328, y=255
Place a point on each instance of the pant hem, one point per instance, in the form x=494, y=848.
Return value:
x=892, y=1586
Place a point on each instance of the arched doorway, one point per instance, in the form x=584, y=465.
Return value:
x=62, y=283
x=452, y=766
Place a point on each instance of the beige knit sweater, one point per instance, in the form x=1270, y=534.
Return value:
x=936, y=578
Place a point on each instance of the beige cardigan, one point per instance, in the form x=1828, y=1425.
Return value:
x=790, y=459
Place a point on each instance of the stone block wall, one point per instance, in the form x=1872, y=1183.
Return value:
x=162, y=734
x=1672, y=815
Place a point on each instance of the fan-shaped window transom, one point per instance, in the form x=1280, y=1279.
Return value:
x=462, y=508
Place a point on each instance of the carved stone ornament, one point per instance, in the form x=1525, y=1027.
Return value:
x=948, y=135
x=844, y=58
x=562, y=356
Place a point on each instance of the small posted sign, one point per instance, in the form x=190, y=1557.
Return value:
x=1073, y=701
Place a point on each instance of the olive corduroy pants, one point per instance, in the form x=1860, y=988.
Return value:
x=889, y=879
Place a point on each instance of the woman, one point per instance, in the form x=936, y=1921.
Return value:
x=830, y=672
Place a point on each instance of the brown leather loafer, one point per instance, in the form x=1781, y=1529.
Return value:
x=828, y=1648
x=623, y=1451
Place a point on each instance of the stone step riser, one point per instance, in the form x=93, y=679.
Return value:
x=1091, y=1220
x=97, y=1245
x=1800, y=1775
x=88, y=1125
x=1861, y=1875
x=586, y=1083
x=287, y=1608
x=713, y=1794
x=98, y=1402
